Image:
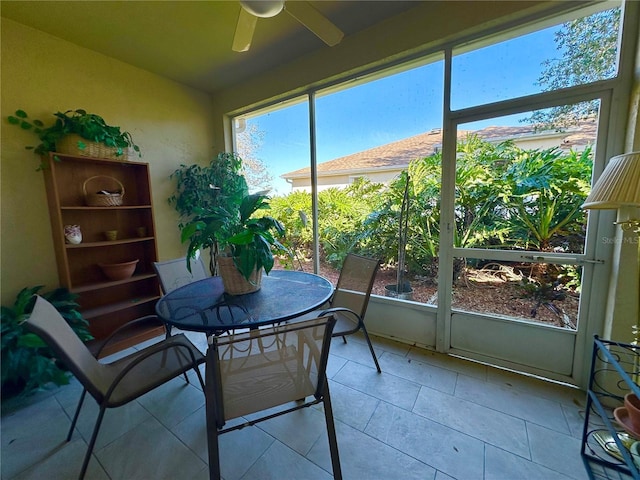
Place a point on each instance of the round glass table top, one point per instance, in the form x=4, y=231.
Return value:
x=203, y=306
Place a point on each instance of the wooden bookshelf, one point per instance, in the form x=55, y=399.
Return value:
x=105, y=303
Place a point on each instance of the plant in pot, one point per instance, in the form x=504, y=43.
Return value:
x=205, y=191
x=246, y=241
x=27, y=362
x=77, y=132
x=402, y=289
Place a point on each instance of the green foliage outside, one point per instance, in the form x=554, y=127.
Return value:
x=589, y=50
x=505, y=197
x=342, y=215
x=27, y=363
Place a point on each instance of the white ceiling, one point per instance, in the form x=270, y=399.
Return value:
x=190, y=41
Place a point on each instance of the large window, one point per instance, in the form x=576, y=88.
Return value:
x=523, y=163
x=579, y=51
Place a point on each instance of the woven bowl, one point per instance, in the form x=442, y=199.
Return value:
x=118, y=271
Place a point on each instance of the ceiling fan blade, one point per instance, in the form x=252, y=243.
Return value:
x=315, y=21
x=244, y=31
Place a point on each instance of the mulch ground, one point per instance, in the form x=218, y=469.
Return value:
x=482, y=291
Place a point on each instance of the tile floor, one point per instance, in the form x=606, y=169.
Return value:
x=426, y=417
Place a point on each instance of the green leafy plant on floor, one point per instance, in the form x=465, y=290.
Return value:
x=89, y=126
x=27, y=363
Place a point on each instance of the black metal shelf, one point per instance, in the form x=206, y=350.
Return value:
x=615, y=369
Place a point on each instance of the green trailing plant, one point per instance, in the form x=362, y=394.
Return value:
x=239, y=232
x=89, y=126
x=27, y=363
x=505, y=197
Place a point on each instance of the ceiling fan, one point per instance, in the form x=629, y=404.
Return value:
x=308, y=16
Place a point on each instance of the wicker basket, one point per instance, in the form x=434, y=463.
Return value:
x=233, y=281
x=70, y=145
x=103, y=199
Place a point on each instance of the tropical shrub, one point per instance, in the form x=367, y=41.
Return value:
x=342, y=214
x=294, y=212
x=505, y=197
x=543, y=191
x=382, y=225
x=27, y=363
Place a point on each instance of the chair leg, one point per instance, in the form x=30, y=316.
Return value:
x=92, y=443
x=199, y=378
x=76, y=415
x=344, y=339
x=331, y=433
x=211, y=421
x=373, y=353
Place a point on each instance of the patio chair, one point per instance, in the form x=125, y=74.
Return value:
x=281, y=365
x=351, y=297
x=174, y=274
x=117, y=383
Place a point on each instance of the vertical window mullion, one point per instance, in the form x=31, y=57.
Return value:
x=445, y=253
x=314, y=181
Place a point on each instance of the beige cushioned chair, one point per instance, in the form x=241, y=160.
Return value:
x=119, y=382
x=351, y=297
x=263, y=368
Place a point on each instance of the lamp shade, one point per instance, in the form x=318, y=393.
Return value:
x=619, y=184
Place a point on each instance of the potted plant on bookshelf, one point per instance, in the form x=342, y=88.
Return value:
x=246, y=241
x=76, y=132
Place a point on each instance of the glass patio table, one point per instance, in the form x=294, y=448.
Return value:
x=203, y=306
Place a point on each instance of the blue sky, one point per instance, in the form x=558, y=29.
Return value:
x=402, y=105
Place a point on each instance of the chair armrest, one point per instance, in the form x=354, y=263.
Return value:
x=340, y=309
x=152, y=350
x=124, y=327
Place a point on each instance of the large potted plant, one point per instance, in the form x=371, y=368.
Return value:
x=246, y=241
x=218, y=214
x=79, y=133
x=202, y=191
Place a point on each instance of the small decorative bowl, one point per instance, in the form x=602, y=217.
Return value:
x=111, y=234
x=118, y=271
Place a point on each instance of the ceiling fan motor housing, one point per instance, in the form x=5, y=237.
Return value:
x=264, y=8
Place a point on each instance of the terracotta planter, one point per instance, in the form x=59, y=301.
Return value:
x=118, y=271
x=234, y=282
x=632, y=404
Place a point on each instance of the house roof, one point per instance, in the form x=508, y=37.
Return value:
x=397, y=155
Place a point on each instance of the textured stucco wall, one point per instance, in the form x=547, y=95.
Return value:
x=42, y=74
